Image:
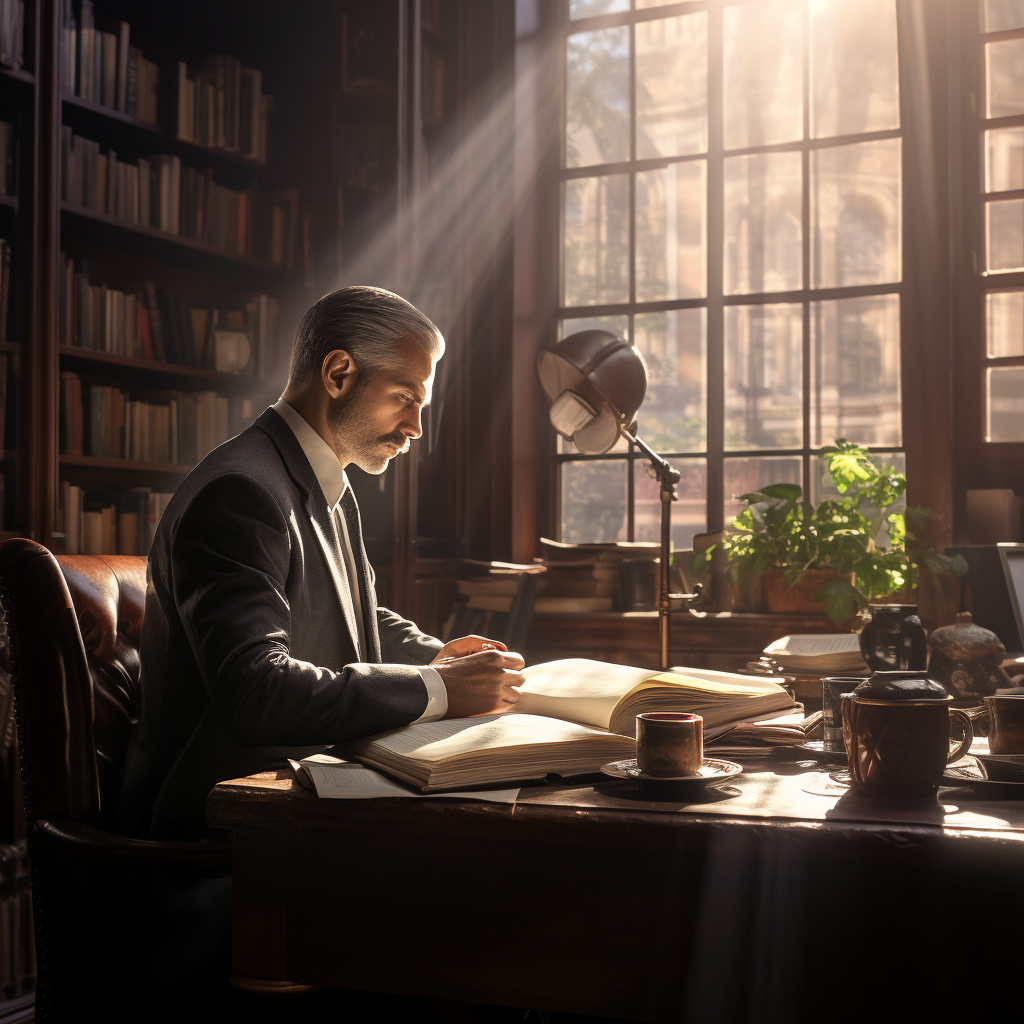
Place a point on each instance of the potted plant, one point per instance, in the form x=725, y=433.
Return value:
x=837, y=556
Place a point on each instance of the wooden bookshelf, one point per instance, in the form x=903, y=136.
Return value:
x=96, y=118
x=160, y=245
x=9, y=202
x=163, y=374
x=125, y=465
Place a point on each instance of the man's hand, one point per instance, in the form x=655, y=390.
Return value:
x=468, y=645
x=481, y=683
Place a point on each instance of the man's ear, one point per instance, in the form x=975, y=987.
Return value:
x=338, y=373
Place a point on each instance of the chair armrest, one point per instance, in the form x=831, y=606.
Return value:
x=93, y=846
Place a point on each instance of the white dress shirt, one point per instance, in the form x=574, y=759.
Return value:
x=334, y=483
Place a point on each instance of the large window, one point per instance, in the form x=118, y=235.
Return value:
x=731, y=203
x=1003, y=143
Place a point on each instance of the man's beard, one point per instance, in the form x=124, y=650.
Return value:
x=353, y=433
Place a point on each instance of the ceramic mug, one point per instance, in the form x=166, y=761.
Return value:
x=669, y=744
x=900, y=749
x=1006, y=735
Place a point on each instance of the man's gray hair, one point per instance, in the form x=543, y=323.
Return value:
x=367, y=323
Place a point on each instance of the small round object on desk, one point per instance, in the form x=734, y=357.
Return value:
x=712, y=769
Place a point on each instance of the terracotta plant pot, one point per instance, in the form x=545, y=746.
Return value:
x=778, y=597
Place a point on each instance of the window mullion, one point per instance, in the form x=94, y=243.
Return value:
x=715, y=272
x=809, y=379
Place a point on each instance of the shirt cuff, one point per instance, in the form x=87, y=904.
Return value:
x=437, y=695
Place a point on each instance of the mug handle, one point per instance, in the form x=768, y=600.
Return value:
x=965, y=744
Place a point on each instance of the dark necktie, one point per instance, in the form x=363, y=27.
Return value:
x=367, y=597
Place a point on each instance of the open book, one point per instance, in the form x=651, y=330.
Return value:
x=818, y=652
x=572, y=717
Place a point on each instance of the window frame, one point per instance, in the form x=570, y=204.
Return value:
x=715, y=300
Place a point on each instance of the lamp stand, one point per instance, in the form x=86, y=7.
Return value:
x=667, y=479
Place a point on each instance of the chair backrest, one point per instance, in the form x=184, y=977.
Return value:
x=73, y=625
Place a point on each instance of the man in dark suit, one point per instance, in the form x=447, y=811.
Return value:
x=262, y=636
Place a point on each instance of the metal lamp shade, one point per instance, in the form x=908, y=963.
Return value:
x=595, y=382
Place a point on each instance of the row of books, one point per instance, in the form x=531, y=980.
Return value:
x=177, y=427
x=17, y=945
x=12, y=33
x=5, y=286
x=103, y=67
x=6, y=158
x=144, y=323
x=159, y=192
x=119, y=524
x=221, y=105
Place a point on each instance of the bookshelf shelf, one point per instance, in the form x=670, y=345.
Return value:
x=9, y=346
x=164, y=372
x=17, y=75
x=160, y=244
x=84, y=114
x=9, y=203
x=125, y=465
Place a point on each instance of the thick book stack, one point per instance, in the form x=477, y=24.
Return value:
x=159, y=192
x=181, y=428
x=221, y=105
x=121, y=524
x=585, y=577
x=6, y=158
x=103, y=67
x=144, y=323
x=12, y=33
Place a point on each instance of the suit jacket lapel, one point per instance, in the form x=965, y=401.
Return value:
x=320, y=517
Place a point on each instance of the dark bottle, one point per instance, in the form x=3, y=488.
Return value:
x=894, y=639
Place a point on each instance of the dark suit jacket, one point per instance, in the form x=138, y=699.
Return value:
x=246, y=653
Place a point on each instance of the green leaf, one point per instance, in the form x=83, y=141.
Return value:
x=959, y=565
x=783, y=492
x=842, y=600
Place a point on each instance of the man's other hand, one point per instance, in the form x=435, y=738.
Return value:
x=468, y=645
x=481, y=683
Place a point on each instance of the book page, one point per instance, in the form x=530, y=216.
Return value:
x=578, y=689
x=434, y=742
x=759, y=684
x=815, y=645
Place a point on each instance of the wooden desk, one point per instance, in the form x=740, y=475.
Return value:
x=620, y=910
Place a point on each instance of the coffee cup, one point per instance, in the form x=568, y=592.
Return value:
x=1006, y=735
x=900, y=749
x=669, y=744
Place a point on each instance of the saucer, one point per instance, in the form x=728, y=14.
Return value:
x=712, y=769
x=815, y=750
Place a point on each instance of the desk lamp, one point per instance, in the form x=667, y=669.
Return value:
x=595, y=383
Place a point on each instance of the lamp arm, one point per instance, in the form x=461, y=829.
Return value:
x=668, y=476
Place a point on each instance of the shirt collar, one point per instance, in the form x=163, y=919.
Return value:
x=326, y=467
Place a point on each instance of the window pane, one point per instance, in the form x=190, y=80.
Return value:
x=1005, y=77
x=1001, y=15
x=1004, y=164
x=671, y=86
x=1005, y=221
x=591, y=8
x=593, y=501
x=763, y=238
x=689, y=513
x=670, y=232
x=1005, y=316
x=855, y=389
x=596, y=241
x=618, y=325
x=854, y=75
x=855, y=213
x=763, y=67
x=597, y=97
x=741, y=476
x=672, y=418
x=642, y=4
x=763, y=376
x=1006, y=404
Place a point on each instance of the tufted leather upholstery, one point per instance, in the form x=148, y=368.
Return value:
x=106, y=908
x=109, y=596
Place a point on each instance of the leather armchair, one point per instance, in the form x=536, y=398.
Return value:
x=120, y=923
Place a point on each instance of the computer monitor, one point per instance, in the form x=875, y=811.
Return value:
x=995, y=573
